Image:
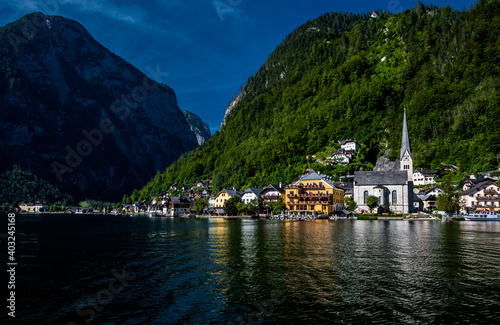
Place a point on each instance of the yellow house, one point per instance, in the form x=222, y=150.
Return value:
x=223, y=196
x=314, y=192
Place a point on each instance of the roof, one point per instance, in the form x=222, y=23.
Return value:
x=347, y=140
x=433, y=171
x=253, y=190
x=405, y=140
x=479, y=186
x=232, y=193
x=313, y=176
x=428, y=197
x=272, y=187
x=415, y=197
x=179, y=200
x=399, y=177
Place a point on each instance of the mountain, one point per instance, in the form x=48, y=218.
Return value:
x=200, y=128
x=79, y=116
x=346, y=76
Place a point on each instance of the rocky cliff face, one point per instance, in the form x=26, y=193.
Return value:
x=79, y=116
x=384, y=164
x=200, y=128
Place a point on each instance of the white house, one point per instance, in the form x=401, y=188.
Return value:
x=339, y=158
x=485, y=195
x=211, y=201
x=250, y=194
x=424, y=177
x=349, y=145
x=272, y=193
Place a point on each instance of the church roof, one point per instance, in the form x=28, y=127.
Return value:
x=399, y=177
x=405, y=140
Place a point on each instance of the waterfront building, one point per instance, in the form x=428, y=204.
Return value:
x=393, y=186
x=272, y=193
x=485, y=195
x=179, y=205
x=250, y=194
x=222, y=197
x=314, y=192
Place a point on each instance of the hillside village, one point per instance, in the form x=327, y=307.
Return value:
x=399, y=188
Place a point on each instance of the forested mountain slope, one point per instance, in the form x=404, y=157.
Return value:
x=350, y=76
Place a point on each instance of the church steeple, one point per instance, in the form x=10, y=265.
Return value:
x=405, y=154
x=405, y=140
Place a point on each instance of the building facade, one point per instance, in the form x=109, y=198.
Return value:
x=272, y=193
x=485, y=195
x=392, y=188
x=424, y=177
x=250, y=194
x=314, y=193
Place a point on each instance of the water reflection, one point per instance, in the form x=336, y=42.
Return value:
x=217, y=271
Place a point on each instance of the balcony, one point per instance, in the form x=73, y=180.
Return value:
x=488, y=197
x=311, y=195
x=490, y=191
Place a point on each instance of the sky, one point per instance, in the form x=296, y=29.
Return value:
x=204, y=49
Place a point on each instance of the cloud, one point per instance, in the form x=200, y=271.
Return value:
x=228, y=7
x=131, y=14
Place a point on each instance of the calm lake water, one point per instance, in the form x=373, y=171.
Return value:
x=139, y=270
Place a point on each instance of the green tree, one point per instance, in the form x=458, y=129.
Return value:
x=350, y=204
x=372, y=202
x=449, y=200
x=231, y=206
x=201, y=204
x=118, y=206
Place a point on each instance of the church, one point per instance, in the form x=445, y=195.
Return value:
x=392, y=183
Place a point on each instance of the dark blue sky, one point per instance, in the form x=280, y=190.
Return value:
x=204, y=49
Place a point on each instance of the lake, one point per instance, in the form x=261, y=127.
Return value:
x=94, y=269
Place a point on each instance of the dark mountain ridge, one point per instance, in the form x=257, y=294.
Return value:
x=79, y=116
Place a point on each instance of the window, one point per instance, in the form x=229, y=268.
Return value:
x=365, y=195
x=394, y=198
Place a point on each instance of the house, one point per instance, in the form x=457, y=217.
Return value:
x=348, y=188
x=173, y=187
x=429, y=198
x=250, y=194
x=339, y=158
x=206, y=192
x=272, y=193
x=314, y=192
x=349, y=145
x=471, y=182
x=186, y=187
x=484, y=195
x=424, y=177
x=33, y=207
x=211, y=201
x=179, y=205
x=223, y=196
x=393, y=186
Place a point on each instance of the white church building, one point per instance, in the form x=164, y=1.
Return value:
x=393, y=187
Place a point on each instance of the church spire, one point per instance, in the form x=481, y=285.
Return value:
x=405, y=140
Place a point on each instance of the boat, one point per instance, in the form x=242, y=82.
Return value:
x=483, y=215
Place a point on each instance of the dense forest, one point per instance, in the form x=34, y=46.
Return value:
x=350, y=76
x=17, y=184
